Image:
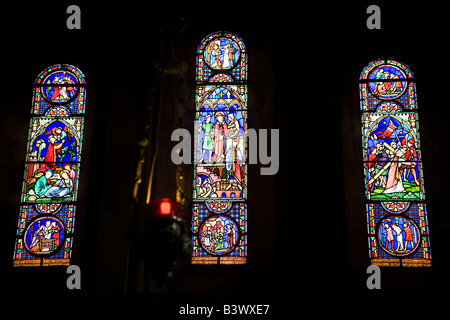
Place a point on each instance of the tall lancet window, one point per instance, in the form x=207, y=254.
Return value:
x=52, y=166
x=394, y=186
x=219, y=209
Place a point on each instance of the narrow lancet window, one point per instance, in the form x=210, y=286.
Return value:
x=397, y=223
x=219, y=209
x=52, y=168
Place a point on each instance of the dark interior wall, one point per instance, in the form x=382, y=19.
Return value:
x=307, y=223
x=421, y=57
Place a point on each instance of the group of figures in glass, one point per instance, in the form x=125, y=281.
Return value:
x=222, y=137
x=219, y=228
x=61, y=87
x=398, y=235
x=392, y=157
x=391, y=87
x=398, y=229
x=220, y=154
x=221, y=53
x=218, y=234
x=52, y=161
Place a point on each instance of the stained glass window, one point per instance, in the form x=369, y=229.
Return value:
x=52, y=167
x=397, y=223
x=219, y=210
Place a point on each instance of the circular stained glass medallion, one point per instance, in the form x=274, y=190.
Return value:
x=44, y=235
x=218, y=234
x=389, y=84
x=60, y=89
x=221, y=54
x=398, y=235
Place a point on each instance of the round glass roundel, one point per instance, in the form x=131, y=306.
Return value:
x=44, y=236
x=59, y=89
x=221, y=54
x=389, y=84
x=218, y=234
x=398, y=235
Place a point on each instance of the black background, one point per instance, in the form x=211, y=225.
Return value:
x=304, y=63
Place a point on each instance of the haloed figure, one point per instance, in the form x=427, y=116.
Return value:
x=220, y=133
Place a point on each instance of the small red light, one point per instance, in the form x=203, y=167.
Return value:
x=165, y=208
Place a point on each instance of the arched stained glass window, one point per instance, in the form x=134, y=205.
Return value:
x=395, y=199
x=219, y=210
x=52, y=167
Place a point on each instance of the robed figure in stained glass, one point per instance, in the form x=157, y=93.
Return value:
x=43, y=184
x=55, y=138
x=208, y=142
x=394, y=178
x=392, y=157
x=220, y=134
x=411, y=158
x=62, y=188
x=234, y=155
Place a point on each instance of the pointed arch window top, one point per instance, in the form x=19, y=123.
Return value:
x=72, y=72
x=386, y=80
x=220, y=35
x=59, y=85
x=376, y=70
